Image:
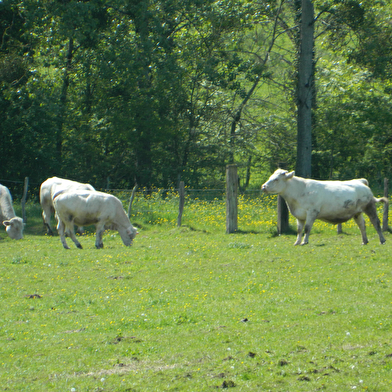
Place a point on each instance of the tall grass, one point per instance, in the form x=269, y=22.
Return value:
x=195, y=309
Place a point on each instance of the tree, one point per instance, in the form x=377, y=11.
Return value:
x=353, y=126
x=305, y=90
x=158, y=91
x=352, y=118
x=261, y=71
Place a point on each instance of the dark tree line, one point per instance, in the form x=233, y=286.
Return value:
x=154, y=92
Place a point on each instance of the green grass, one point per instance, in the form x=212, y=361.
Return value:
x=195, y=309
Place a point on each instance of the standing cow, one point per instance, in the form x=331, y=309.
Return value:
x=330, y=201
x=50, y=188
x=91, y=208
x=14, y=225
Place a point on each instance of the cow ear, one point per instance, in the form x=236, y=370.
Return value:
x=290, y=175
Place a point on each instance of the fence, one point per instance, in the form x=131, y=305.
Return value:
x=20, y=190
x=231, y=193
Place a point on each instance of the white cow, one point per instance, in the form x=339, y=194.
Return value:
x=80, y=208
x=14, y=225
x=330, y=201
x=48, y=190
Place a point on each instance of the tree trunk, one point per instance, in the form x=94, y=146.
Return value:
x=63, y=103
x=305, y=90
x=238, y=114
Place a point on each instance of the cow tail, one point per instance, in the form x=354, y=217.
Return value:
x=382, y=200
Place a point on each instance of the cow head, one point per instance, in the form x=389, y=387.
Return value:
x=14, y=228
x=128, y=235
x=277, y=182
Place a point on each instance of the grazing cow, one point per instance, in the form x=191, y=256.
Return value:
x=330, y=201
x=14, y=225
x=48, y=189
x=80, y=208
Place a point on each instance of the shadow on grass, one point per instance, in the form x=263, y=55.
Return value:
x=33, y=227
x=273, y=232
x=187, y=228
x=290, y=231
x=247, y=232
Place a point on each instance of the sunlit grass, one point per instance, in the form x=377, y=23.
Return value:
x=195, y=309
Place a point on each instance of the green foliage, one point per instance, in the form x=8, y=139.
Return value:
x=370, y=23
x=353, y=125
x=159, y=91
x=196, y=309
x=135, y=92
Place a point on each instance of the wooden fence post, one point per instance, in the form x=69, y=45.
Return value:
x=181, y=192
x=385, y=226
x=283, y=216
x=24, y=198
x=283, y=211
x=231, y=199
x=131, y=200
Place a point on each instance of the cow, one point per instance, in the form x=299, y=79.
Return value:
x=81, y=208
x=330, y=201
x=48, y=189
x=14, y=225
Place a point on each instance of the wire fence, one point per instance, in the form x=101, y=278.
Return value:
x=16, y=188
x=22, y=190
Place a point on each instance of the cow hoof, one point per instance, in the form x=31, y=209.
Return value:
x=79, y=246
x=99, y=246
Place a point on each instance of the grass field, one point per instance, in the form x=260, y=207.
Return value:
x=195, y=309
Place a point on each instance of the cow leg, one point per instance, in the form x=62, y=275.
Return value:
x=300, y=226
x=371, y=212
x=46, y=213
x=361, y=224
x=61, y=230
x=73, y=237
x=69, y=230
x=308, y=227
x=99, y=228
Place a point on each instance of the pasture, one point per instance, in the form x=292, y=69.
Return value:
x=195, y=309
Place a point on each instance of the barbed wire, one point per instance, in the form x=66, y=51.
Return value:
x=14, y=182
x=207, y=192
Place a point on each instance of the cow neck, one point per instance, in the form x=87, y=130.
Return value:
x=294, y=188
